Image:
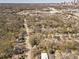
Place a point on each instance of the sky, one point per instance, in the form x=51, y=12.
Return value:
x=32, y=1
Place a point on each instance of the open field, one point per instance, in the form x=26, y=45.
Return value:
x=27, y=30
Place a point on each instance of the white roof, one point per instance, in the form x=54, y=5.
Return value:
x=44, y=56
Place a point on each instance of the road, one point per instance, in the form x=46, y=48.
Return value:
x=27, y=41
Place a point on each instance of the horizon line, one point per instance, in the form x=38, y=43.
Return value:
x=39, y=2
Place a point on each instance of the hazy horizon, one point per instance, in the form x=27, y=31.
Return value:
x=33, y=1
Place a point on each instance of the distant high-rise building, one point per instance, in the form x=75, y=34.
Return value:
x=76, y=1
